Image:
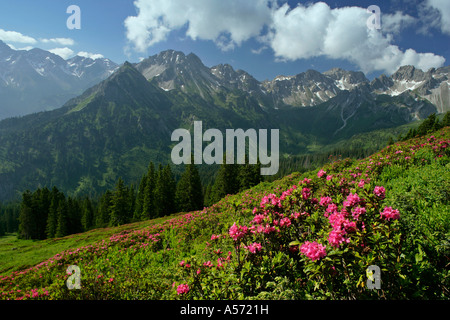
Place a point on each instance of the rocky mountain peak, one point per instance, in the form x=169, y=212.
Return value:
x=409, y=73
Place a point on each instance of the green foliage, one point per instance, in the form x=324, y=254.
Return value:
x=260, y=243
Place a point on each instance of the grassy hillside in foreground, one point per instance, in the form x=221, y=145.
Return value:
x=309, y=236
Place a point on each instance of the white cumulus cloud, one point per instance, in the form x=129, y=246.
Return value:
x=64, y=53
x=92, y=56
x=342, y=33
x=443, y=7
x=14, y=36
x=60, y=41
x=228, y=23
x=26, y=48
x=306, y=31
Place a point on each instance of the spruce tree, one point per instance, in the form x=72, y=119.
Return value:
x=87, y=220
x=139, y=205
x=164, y=191
x=73, y=216
x=207, y=196
x=26, y=217
x=41, y=206
x=131, y=202
x=446, y=119
x=52, y=219
x=104, y=209
x=226, y=182
x=189, y=193
x=249, y=175
x=148, y=207
x=62, y=228
x=120, y=205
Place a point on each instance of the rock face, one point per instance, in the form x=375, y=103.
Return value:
x=432, y=85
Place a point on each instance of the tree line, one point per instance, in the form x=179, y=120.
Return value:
x=430, y=124
x=9, y=217
x=49, y=213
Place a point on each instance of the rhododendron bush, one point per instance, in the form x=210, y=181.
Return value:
x=325, y=232
x=309, y=236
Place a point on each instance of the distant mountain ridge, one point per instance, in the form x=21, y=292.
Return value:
x=37, y=80
x=305, y=89
x=116, y=127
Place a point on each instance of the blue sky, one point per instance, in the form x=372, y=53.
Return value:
x=264, y=38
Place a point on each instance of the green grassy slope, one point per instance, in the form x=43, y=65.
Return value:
x=233, y=251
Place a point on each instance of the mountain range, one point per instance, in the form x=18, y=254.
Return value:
x=173, y=70
x=37, y=80
x=117, y=126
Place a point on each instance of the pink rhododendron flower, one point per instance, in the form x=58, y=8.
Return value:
x=268, y=229
x=361, y=183
x=352, y=200
x=356, y=212
x=325, y=201
x=254, y=247
x=380, y=192
x=306, y=193
x=321, y=173
x=306, y=181
x=182, y=288
x=259, y=218
x=208, y=264
x=295, y=215
x=313, y=250
x=214, y=237
x=389, y=213
x=237, y=232
x=332, y=208
x=336, y=237
x=285, y=222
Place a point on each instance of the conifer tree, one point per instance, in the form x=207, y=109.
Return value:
x=207, y=196
x=26, y=217
x=226, y=182
x=139, y=205
x=52, y=219
x=131, y=202
x=62, y=228
x=164, y=191
x=249, y=175
x=120, y=205
x=104, y=209
x=148, y=207
x=446, y=119
x=189, y=193
x=73, y=216
x=42, y=201
x=87, y=220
